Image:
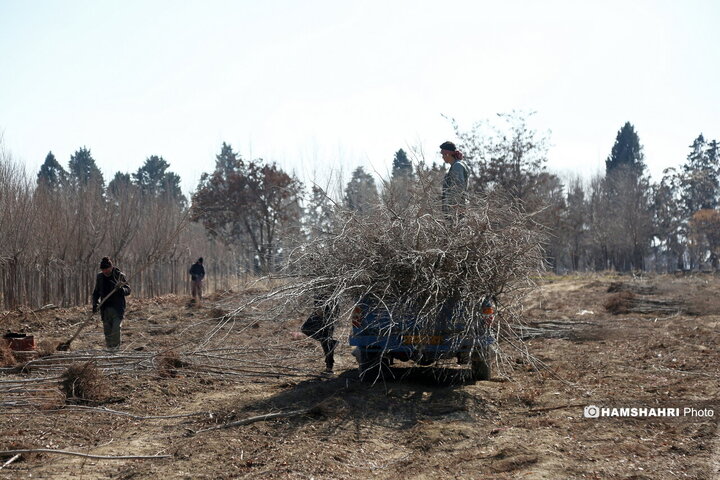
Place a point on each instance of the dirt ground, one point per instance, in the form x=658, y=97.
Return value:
x=198, y=369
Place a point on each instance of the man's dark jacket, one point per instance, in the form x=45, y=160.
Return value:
x=197, y=271
x=104, y=285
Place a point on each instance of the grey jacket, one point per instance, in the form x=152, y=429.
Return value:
x=455, y=184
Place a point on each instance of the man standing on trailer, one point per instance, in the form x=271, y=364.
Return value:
x=455, y=183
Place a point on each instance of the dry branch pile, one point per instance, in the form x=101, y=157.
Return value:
x=412, y=258
x=616, y=287
x=625, y=302
x=420, y=257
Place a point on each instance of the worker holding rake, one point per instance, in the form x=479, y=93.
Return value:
x=110, y=283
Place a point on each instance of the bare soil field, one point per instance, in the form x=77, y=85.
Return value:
x=183, y=370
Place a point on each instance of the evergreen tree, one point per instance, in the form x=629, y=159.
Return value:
x=83, y=171
x=713, y=152
x=402, y=167
x=361, y=193
x=51, y=175
x=154, y=179
x=119, y=184
x=227, y=160
x=699, y=178
x=628, y=202
x=626, y=153
x=396, y=191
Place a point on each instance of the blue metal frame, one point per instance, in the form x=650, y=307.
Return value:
x=376, y=332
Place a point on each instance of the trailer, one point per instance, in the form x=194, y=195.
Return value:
x=382, y=335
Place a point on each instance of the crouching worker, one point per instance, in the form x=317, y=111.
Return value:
x=320, y=326
x=111, y=288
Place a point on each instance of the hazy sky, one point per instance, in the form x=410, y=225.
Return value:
x=330, y=85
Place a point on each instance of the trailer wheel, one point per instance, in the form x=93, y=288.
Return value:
x=371, y=365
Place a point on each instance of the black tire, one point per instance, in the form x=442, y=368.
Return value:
x=481, y=364
x=371, y=365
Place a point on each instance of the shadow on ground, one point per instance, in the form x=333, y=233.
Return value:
x=401, y=400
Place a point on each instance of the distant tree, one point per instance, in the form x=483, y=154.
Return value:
x=549, y=202
x=319, y=213
x=51, y=175
x=247, y=200
x=626, y=152
x=361, y=193
x=83, y=171
x=153, y=178
x=396, y=190
x=227, y=160
x=705, y=235
x=629, y=202
x=669, y=219
x=120, y=184
x=506, y=155
x=699, y=178
x=129, y=210
x=575, y=223
x=402, y=166
x=713, y=152
x=630, y=219
x=600, y=224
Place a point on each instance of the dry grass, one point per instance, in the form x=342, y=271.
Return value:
x=47, y=347
x=84, y=383
x=168, y=363
x=7, y=359
x=414, y=424
x=217, y=312
x=619, y=303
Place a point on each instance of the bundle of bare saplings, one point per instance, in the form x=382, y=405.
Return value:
x=407, y=256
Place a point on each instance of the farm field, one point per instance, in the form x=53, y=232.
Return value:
x=183, y=370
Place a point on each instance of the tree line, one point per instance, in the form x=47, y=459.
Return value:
x=56, y=225
x=247, y=214
x=617, y=220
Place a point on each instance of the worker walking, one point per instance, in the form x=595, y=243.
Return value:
x=109, y=294
x=320, y=326
x=197, y=274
